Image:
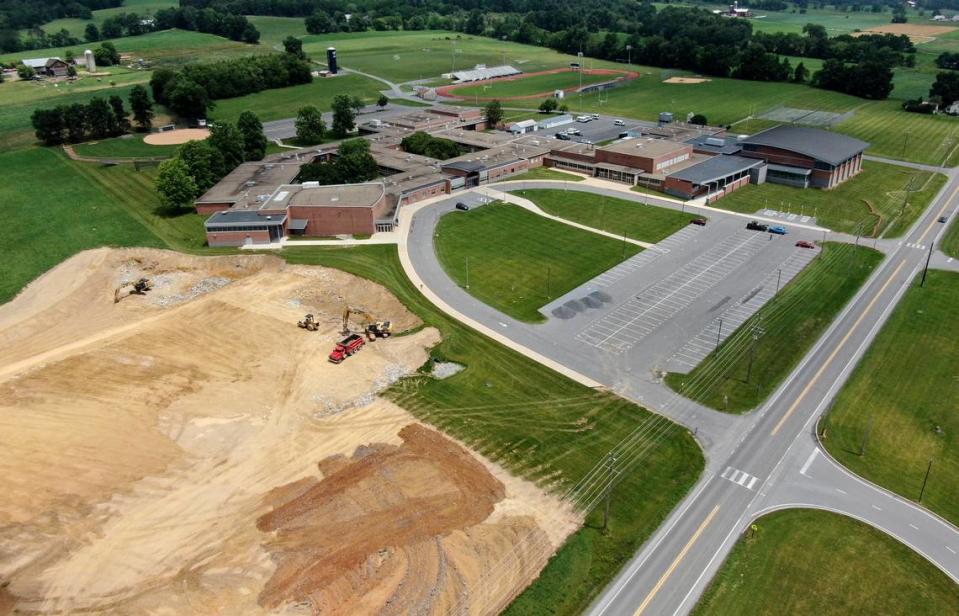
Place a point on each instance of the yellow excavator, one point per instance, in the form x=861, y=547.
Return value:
x=140, y=287
x=371, y=327
x=309, y=323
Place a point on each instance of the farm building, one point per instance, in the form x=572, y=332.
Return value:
x=802, y=157
x=50, y=67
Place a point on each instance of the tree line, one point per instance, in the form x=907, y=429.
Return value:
x=198, y=165
x=426, y=144
x=97, y=119
x=190, y=91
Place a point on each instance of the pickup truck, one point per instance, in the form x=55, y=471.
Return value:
x=754, y=225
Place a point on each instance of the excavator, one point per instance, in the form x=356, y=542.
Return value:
x=309, y=323
x=371, y=327
x=140, y=287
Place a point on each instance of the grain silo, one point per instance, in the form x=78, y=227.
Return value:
x=331, y=60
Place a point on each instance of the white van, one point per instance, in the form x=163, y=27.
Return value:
x=584, y=119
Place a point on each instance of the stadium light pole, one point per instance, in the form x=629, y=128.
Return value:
x=629, y=55
x=579, y=57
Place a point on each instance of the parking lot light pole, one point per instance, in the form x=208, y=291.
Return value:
x=467, y=272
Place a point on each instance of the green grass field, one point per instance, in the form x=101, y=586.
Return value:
x=646, y=223
x=128, y=146
x=874, y=199
x=544, y=173
x=950, y=241
x=532, y=85
x=804, y=561
x=905, y=389
x=792, y=322
x=519, y=261
x=539, y=425
x=894, y=133
x=285, y=102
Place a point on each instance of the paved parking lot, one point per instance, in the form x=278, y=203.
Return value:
x=617, y=273
x=622, y=328
x=737, y=312
x=594, y=131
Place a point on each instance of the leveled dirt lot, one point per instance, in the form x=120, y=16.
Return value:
x=917, y=33
x=191, y=451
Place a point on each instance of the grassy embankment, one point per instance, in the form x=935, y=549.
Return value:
x=541, y=426
x=646, y=223
x=904, y=394
x=804, y=561
x=791, y=323
x=873, y=199
x=950, y=241
x=517, y=261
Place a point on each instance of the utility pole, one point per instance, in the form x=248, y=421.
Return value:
x=719, y=333
x=865, y=437
x=757, y=332
x=926, y=268
x=611, y=471
x=924, y=480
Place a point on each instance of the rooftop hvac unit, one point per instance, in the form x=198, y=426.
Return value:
x=263, y=198
x=249, y=184
x=311, y=184
x=715, y=141
x=270, y=166
x=334, y=198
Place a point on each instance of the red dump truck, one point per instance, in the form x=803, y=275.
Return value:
x=346, y=347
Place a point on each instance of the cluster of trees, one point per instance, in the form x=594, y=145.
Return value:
x=191, y=90
x=945, y=90
x=948, y=60
x=869, y=79
x=95, y=120
x=425, y=144
x=24, y=14
x=209, y=21
x=198, y=165
x=80, y=122
x=352, y=163
x=38, y=39
x=893, y=49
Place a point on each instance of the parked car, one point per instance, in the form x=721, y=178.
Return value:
x=754, y=225
x=462, y=206
x=943, y=218
x=698, y=221
x=562, y=136
x=594, y=116
x=619, y=123
x=573, y=131
x=777, y=230
x=804, y=244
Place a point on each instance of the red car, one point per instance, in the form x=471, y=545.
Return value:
x=804, y=244
x=698, y=221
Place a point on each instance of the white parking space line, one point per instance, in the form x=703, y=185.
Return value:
x=696, y=349
x=618, y=272
x=635, y=319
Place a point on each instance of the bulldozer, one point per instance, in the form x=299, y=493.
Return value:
x=308, y=323
x=140, y=287
x=372, y=328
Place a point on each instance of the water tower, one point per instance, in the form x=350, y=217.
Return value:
x=331, y=60
x=90, y=61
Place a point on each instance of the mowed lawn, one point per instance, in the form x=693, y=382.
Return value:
x=791, y=323
x=539, y=425
x=646, y=223
x=59, y=216
x=873, y=199
x=285, y=102
x=905, y=394
x=806, y=561
x=950, y=241
x=894, y=133
x=127, y=146
x=535, y=84
x=517, y=261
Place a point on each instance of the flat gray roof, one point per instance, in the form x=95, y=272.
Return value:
x=645, y=146
x=234, y=218
x=824, y=145
x=715, y=168
x=338, y=195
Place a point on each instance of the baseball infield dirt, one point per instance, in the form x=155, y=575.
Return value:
x=686, y=80
x=177, y=136
x=192, y=451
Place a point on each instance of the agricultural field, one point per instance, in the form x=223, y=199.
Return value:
x=535, y=84
x=529, y=419
x=646, y=223
x=127, y=146
x=873, y=199
x=525, y=260
x=793, y=319
x=903, y=393
x=778, y=569
x=285, y=102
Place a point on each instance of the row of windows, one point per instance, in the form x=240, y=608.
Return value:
x=672, y=161
x=245, y=228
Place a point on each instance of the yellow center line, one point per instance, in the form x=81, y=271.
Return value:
x=935, y=220
x=838, y=348
x=679, y=558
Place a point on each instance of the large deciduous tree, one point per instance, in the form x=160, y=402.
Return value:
x=254, y=141
x=309, y=126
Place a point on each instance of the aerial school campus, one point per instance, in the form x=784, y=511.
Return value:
x=376, y=308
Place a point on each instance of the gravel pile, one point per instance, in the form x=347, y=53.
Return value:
x=446, y=369
x=207, y=285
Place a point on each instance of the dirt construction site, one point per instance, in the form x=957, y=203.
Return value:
x=191, y=450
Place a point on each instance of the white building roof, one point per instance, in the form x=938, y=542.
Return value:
x=485, y=73
x=37, y=62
